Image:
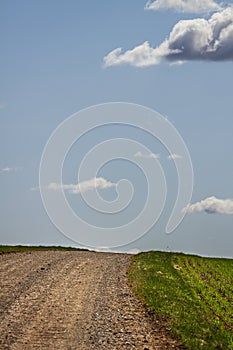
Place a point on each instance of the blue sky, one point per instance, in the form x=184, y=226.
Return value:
x=52, y=65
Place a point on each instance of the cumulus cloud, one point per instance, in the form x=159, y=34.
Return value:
x=89, y=185
x=196, y=39
x=141, y=56
x=188, y=6
x=139, y=154
x=211, y=205
x=174, y=156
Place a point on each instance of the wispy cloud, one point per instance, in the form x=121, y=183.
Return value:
x=2, y=104
x=139, y=154
x=196, y=39
x=188, y=6
x=36, y=188
x=8, y=169
x=174, y=156
x=84, y=186
x=211, y=205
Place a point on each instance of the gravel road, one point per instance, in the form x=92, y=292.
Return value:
x=68, y=300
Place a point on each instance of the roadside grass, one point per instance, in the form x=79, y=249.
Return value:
x=21, y=248
x=194, y=295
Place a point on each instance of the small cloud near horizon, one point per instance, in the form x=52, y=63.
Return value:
x=133, y=251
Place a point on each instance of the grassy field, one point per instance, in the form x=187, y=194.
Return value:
x=194, y=294
x=21, y=248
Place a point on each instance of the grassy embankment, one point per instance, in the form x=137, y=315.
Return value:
x=194, y=294
x=22, y=248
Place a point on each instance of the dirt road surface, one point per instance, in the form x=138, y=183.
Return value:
x=58, y=300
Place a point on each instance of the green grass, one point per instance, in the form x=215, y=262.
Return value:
x=194, y=294
x=21, y=248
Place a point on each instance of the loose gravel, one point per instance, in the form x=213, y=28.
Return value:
x=68, y=300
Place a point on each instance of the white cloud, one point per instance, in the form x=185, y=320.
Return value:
x=139, y=154
x=196, y=39
x=97, y=182
x=133, y=251
x=35, y=188
x=8, y=169
x=140, y=56
x=103, y=249
x=174, y=156
x=188, y=6
x=211, y=205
